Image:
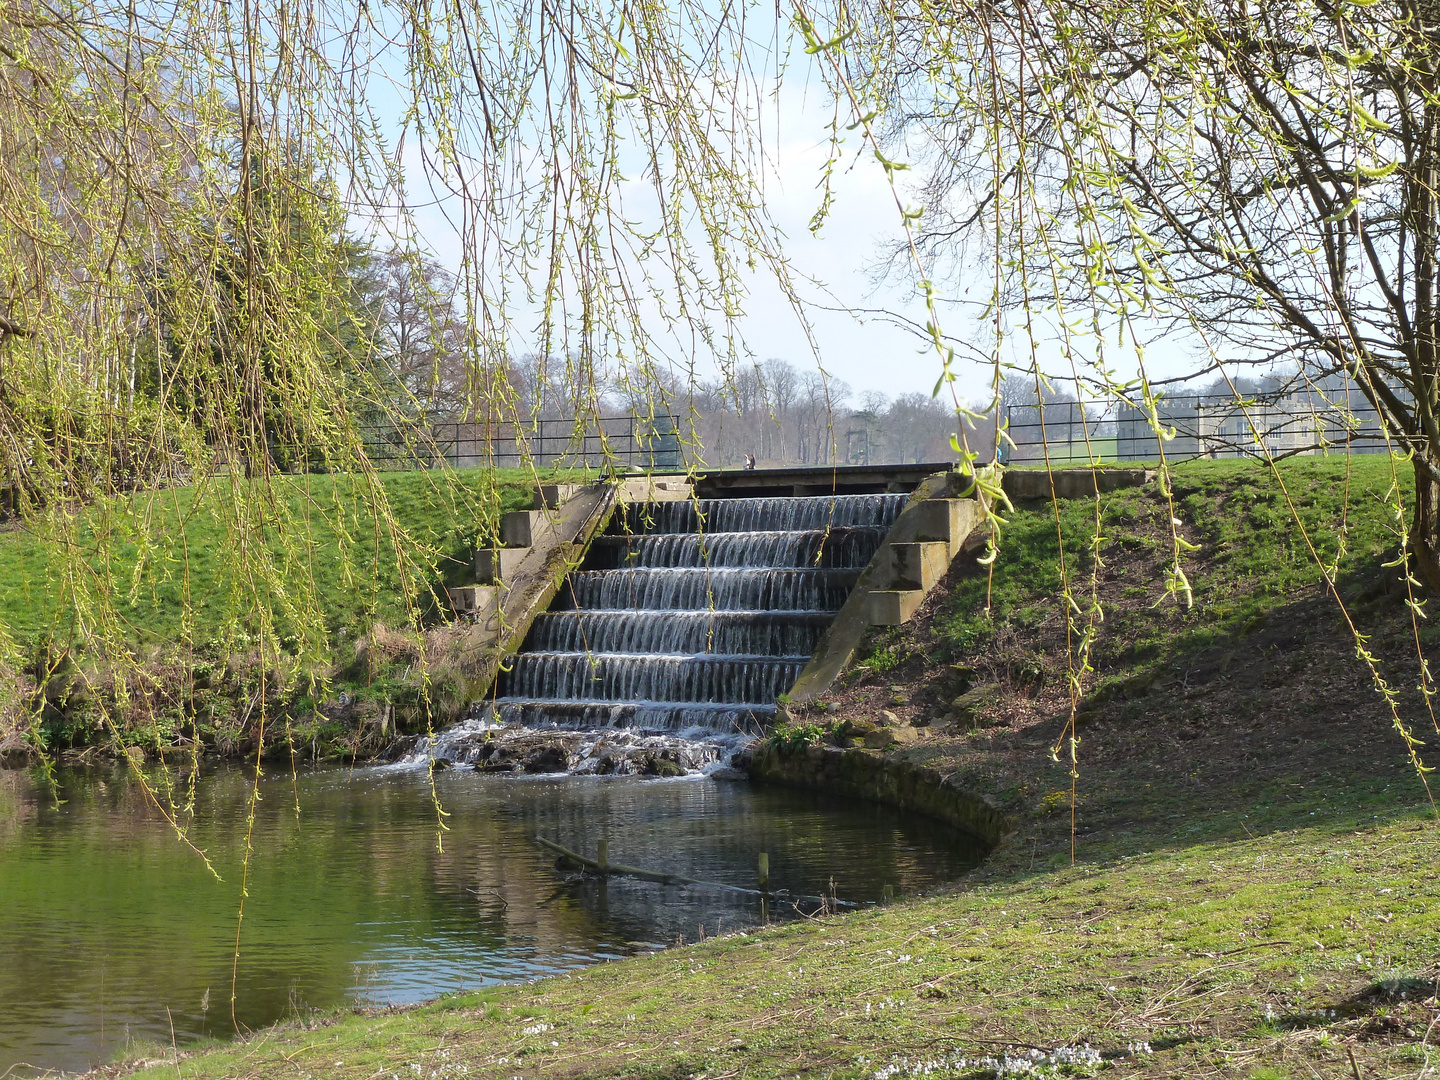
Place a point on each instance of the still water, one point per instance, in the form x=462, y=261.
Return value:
x=112, y=929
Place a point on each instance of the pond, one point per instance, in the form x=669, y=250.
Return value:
x=113, y=929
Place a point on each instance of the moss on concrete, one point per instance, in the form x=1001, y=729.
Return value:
x=874, y=775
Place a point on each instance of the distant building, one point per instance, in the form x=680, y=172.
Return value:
x=1218, y=427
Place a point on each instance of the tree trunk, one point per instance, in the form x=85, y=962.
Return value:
x=1425, y=529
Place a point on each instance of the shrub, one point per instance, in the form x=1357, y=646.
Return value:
x=791, y=737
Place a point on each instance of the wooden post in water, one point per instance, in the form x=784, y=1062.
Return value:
x=764, y=872
x=602, y=855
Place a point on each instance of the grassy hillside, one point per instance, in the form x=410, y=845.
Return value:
x=334, y=545
x=1250, y=555
x=1259, y=678
x=187, y=594
x=1253, y=891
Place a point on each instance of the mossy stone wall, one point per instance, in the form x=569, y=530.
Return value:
x=894, y=781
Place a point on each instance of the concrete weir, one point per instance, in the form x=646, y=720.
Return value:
x=694, y=603
x=539, y=548
x=693, y=615
x=653, y=601
x=933, y=529
x=652, y=624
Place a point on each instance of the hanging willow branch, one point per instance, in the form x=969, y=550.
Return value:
x=1240, y=181
x=192, y=195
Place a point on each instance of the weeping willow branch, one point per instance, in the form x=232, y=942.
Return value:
x=192, y=196
x=1244, y=181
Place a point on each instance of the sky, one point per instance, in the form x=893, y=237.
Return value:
x=855, y=342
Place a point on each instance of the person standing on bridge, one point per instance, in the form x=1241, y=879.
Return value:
x=749, y=462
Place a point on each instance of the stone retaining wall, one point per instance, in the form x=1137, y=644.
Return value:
x=870, y=774
x=1071, y=483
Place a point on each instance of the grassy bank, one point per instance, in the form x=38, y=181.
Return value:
x=1253, y=892
x=180, y=581
x=336, y=546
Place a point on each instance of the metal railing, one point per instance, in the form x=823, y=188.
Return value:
x=1205, y=426
x=647, y=442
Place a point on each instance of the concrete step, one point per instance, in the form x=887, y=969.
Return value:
x=948, y=521
x=891, y=607
x=495, y=566
x=550, y=496
x=915, y=565
x=524, y=528
x=656, y=489
x=481, y=603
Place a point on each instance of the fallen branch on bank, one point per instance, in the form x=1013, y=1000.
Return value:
x=606, y=867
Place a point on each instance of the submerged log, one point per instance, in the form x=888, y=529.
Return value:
x=605, y=868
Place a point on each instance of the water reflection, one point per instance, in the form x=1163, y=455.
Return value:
x=109, y=920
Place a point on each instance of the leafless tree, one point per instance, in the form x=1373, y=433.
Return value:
x=1261, y=179
x=423, y=334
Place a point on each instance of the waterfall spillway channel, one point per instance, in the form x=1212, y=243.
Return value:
x=694, y=614
x=688, y=619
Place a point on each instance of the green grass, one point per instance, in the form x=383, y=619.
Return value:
x=328, y=548
x=1251, y=556
x=1064, y=453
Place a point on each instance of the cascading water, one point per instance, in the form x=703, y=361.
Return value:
x=694, y=614
x=687, y=622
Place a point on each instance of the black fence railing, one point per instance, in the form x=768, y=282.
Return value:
x=646, y=442
x=1204, y=426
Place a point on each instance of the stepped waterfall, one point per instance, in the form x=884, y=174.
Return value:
x=694, y=616
x=687, y=619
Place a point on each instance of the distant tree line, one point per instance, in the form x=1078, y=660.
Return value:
x=784, y=415
x=774, y=410
x=392, y=326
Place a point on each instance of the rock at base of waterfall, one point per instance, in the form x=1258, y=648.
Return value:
x=604, y=752
x=547, y=759
x=662, y=765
